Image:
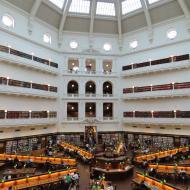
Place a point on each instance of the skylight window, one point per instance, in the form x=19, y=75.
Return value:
x=152, y=1
x=130, y=6
x=58, y=3
x=80, y=6
x=107, y=9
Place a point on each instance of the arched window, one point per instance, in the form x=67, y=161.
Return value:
x=8, y=20
x=72, y=87
x=90, y=87
x=107, y=88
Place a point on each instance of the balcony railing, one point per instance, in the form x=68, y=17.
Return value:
x=175, y=117
x=89, y=95
x=23, y=84
x=170, y=86
x=103, y=73
x=90, y=119
x=9, y=50
x=27, y=118
x=157, y=114
x=169, y=63
x=6, y=114
x=157, y=62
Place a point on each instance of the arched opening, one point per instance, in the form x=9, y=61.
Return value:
x=72, y=87
x=107, y=88
x=90, y=88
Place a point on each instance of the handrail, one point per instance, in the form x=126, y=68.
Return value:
x=23, y=84
x=157, y=114
x=81, y=151
x=36, y=180
x=9, y=50
x=42, y=159
x=156, y=62
x=150, y=88
x=162, y=154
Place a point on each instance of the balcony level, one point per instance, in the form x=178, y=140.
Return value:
x=12, y=56
x=27, y=118
x=158, y=91
x=90, y=96
x=22, y=88
x=169, y=63
x=175, y=117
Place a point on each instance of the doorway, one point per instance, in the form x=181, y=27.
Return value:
x=91, y=135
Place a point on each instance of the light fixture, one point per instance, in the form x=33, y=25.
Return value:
x=90, y=64
x=73, y=64
x=72, y=85
x=133, y=44
x=107, y=86
x=90, y=108
x=90, y=86
x=72, y=108
x=73, y=44
x=107, y=47
x=8, y=20
x=107, y=65
x=107, y=108
x=47, y=38
x=171, y=33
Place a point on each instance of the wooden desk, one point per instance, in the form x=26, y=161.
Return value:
x=19, y=171
x=80, y=151
x=163, y=154
x=153, y=183
x=66, y=161
x=35, y=180
x=169, y=169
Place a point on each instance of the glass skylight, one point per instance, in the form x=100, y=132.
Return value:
x=80, y=6
x=58, y=3
x=130, y=6
x=104, y=8
x=152, y=1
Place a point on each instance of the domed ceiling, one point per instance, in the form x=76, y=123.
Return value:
x=103, y=16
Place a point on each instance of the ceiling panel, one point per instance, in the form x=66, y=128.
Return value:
x=26, y=5
x=188, y=3
x=49, y=15
x=134, y=23
x=77, y=24
x=105, y=26
x=165, y=12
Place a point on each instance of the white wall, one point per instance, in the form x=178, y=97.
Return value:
x=161, y=47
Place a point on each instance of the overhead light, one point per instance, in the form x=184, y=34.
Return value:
x=90, y=108
x=47, y=38
x=171, y=33
x=133, y=44
x=72, y=85
x=73, y=44
x=8, y=20
x=73, y=64
x=72, y=108
x=107, y=47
